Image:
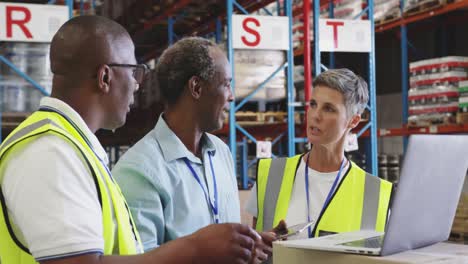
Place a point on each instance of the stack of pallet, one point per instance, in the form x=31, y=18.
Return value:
x=343, y=9
x=460, y=223
x=253, y=67
x=249, y=118
x=434, y=90
x=414, y=7
x=31, y=59
x=386, y=11
x=260, y=118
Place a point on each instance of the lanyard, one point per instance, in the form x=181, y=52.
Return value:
x=330, y=193
x=214, y=204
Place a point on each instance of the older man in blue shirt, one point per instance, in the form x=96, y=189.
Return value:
x=165, y=198
x=179, y=178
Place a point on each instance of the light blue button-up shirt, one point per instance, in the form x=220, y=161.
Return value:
x=164, y=197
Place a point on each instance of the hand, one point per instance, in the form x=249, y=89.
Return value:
x=225, y=243
x=263, y=249
x=281, y=228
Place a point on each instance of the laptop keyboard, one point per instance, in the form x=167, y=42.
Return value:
x=372, y=242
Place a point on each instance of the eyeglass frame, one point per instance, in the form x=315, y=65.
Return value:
x=142, y=65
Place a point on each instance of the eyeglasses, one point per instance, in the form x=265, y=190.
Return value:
x=139, y=72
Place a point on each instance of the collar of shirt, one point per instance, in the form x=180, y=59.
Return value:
x=173, y=148
x=68, y=111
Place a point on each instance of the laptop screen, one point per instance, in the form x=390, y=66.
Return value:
x=427, y=195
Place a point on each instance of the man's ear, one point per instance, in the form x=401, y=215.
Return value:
x=104, y=77
x=195, y=87
x=354, y=121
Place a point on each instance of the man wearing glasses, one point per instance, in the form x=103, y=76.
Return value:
x=59, y=202
x=139, y=71
x=179, y=177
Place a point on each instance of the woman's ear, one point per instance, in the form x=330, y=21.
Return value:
x=104, y=77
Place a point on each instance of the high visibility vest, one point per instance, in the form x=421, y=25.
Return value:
x=360, y=201
x=113, y=204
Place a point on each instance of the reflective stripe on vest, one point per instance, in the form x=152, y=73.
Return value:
x=110, y=196
x=360, y=202
x=271, y=187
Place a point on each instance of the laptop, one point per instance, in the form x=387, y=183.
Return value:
x=424, y=203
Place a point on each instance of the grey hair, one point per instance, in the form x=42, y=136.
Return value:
x=188, y=57
x=352, y=86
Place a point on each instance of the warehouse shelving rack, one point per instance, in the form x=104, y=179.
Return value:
x=202, y=24
x=306, y=51
x=23, y=75
x=235, y=106
x=180, y=20
x=400, y=26
x=404, y=44
x=189, y=20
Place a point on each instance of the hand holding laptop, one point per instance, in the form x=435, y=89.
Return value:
x=293, y=230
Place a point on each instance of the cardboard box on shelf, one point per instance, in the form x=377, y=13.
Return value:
x=462, y=118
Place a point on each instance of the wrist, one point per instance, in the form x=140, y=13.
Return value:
x=192, y=249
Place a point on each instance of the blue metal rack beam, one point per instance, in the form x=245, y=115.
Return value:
x=307, y=67
x=81, y=7
x=232, y=113
x=233, y=126
x=404, y=79
x=278, y=7
x=372, y=125
x=70, y=8
x=331, y=14
x=362, y=13
x=404, y=73
x=244, y=162
x=372, y=94
x=170, y=31
x=317, y=60
x=23, y=75
x=219, y=31
x=290, y=80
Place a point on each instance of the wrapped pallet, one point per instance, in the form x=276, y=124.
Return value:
x=343, y=9
x=386, y=10
x=434, y=90
x=253, y=67
x=413, y=7
x=30, y=58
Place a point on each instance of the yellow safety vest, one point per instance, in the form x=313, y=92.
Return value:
x=360, y=201
x=12, y=251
